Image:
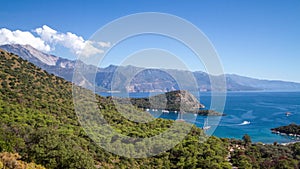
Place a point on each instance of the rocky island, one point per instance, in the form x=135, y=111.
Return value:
x=290, y=130
x=176, y=101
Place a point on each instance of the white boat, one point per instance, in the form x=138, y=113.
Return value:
x=206, y=126
x=245, y=123
x=165, y=111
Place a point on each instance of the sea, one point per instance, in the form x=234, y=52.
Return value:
x=252, y=113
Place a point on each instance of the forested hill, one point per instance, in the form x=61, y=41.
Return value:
x=37, y=121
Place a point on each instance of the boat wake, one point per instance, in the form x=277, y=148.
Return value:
x=244, y=123
x=219, y=124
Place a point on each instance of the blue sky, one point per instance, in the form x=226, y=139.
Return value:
x=254, y=38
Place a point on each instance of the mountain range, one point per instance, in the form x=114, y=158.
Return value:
x=112, y=78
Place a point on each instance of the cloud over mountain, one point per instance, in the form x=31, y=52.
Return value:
x=23, y=38
x=46, y=39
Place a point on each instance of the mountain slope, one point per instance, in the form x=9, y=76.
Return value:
x=37, y=117
x=53, y=64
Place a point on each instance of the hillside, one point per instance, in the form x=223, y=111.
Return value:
x=149, y=80
x=38, y=122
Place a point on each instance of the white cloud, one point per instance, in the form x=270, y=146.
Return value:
x=69, y=40
x=23, y=38
x=47, y=39
x=89, y=49
x=104, y=44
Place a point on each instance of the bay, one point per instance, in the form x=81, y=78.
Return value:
x=264, y=110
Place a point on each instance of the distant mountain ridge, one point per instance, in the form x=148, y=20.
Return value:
x=147, y=80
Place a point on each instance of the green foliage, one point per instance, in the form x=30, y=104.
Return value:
x=247, y=139
x=265, y=156
x=12, y=161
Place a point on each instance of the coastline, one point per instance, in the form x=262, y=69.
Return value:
x=289, y=143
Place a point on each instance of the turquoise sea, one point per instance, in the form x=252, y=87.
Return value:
x=264, y=110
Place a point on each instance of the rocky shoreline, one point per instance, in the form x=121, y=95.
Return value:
x=291, y=131
x=285, y=134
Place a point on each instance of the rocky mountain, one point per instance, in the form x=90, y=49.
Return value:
x=53, y=64
x=115, y=78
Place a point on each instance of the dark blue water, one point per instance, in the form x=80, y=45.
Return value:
x=264, y=110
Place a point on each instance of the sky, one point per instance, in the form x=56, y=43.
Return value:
x=254, y=38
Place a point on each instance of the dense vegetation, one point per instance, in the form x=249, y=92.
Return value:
x=273, y=156
x=290, y=129
x=12, y=161
x=37, y=121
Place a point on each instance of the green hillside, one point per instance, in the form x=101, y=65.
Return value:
x=37, y=120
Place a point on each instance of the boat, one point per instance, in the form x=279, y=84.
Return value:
x=288, y=113
x=206, y=126
x=165, y=111
x=245, y=123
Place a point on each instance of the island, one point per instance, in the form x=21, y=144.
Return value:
x=292, y=130
x=174, y=101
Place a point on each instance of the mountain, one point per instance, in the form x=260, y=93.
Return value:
x=53, y=64
x=264, y=84
x=115, y=78
x=160, y=80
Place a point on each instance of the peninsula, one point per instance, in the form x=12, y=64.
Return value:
x=175, y=101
